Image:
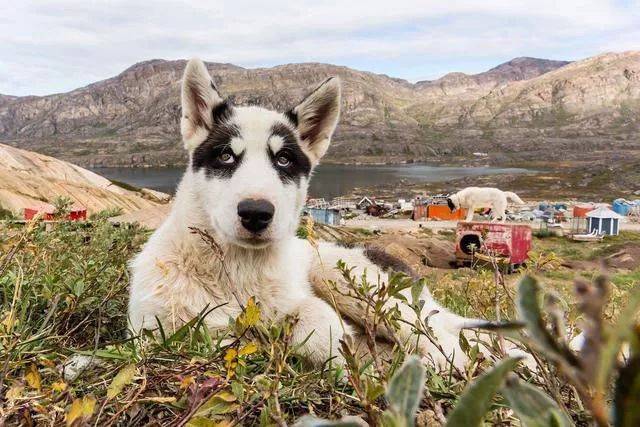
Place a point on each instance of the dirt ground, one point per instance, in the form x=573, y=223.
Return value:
x=388, y=224
x=429, y=249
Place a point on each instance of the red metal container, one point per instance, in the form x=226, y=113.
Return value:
x=443, y=212
x=510, y=243
x=30, y=213
x=47, y=212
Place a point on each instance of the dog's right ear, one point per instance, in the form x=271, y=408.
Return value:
x=199, y=98
x=316, y=117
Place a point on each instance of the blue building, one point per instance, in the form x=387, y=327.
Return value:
x=324, y=216
x=603, y=221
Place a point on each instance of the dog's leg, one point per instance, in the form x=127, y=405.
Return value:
x=445, y=325
x=470, y=214
x=320, y=329
x=499, y=212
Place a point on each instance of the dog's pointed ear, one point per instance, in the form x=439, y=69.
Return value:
x=199, y=98
x=316, y=117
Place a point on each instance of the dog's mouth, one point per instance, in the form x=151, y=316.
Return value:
x=254, y=242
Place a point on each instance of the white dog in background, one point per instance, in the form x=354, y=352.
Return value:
x=245, y=185
x=472, y=198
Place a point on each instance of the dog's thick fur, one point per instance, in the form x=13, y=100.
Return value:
x=250, y=153
x=472, y=198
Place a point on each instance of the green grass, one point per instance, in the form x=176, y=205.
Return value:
x=64, y=292
x=6, y=213
x=613, y=244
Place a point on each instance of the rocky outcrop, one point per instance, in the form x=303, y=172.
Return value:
x=28, y=179
x=132, y=119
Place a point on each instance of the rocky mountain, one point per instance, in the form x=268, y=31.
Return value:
x=524, y=106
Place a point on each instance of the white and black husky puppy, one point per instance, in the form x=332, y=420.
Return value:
x=246, y=183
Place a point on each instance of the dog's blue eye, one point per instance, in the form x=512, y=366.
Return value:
x=226, y=158
x=283, y=160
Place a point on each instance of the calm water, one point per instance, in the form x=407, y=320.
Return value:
x=329, y=180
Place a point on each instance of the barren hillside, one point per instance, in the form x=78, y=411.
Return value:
x=28, y=179
x=524, y=106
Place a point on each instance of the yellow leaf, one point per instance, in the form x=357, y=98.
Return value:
x=124, y=377
x=250, y=348
x=251, y=314
x=231, y=361
x=230, y=355
x=81, y=409
x=186, y=382
x=221, y=403
x=14, y=392
x=33, y=377
x=59, y=386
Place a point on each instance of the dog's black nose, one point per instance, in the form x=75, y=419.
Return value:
x=255, y=215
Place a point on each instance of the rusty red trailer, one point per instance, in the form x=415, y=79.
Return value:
x=509, y=243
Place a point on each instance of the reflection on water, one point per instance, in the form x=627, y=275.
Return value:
x=329, y=180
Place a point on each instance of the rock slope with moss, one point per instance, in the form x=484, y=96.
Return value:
x=29, y=179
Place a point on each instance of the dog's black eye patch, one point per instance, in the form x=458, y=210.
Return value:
x=214, y=154
x=297, y=164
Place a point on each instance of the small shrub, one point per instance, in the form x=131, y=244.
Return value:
x=6, y=214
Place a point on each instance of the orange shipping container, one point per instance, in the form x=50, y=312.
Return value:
x=443, y=212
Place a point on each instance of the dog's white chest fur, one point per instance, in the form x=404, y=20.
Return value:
x=179, y=275
x=245, y=186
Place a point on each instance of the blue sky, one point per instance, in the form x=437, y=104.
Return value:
x=48, y=47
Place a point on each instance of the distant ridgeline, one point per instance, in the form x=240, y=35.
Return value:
x=525, y=105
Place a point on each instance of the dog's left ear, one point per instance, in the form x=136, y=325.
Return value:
x=316, y=117
x=452, y=206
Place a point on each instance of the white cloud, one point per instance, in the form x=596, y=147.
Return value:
x=56, y=46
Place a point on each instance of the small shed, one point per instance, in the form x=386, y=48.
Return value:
x=603, y=221
x=324, y=216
